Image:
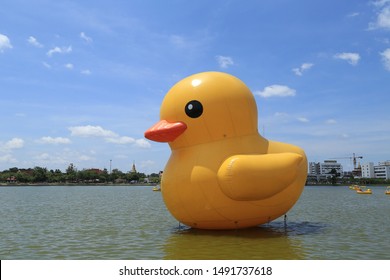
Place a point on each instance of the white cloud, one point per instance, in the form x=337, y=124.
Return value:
x=281, y=115
x=190, y=44
x=85, y=158
x=91, y=131
x=69, y=66
x=148, y=163
x=34, y=42
x=178, y=41
x=85, y=38
x=141, y=143
x=108, y=135
x=354, y=14
x=47, y=65
x=304, y=67
x=383, y=16
x=8, y=147
x=121, y=140
x=86, y=72
x=380, y=3
x=59, y=158
x=54, y=140
x=59, y=50
x=386, y=58
x=276, y=90
x=121, y=157
x=331, y=121
x=14, y=143
x=5, y=43
x=351, y=58
x=303, y=119
x=43, y=156
x=224, y=61
x=8, y=158
x=56, y=158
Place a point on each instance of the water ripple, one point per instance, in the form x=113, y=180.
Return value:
x=133, y=223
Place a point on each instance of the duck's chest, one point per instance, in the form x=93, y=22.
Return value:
x=191, y=166
x=197, y=165
x=200, y=164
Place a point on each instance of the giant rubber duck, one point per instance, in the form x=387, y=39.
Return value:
x=222, y=174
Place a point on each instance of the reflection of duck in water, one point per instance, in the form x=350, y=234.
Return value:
x=222, y=174
x=254, y=243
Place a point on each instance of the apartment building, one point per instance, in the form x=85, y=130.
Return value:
x=325, y=168
x=381, y=171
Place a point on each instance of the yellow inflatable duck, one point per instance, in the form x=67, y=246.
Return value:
x=222, y=174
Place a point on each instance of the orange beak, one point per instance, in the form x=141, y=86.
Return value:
x=165, y=131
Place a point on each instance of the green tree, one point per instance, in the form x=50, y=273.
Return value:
x=133, y=177
x=39, y=174
x=13, y=170
x=55, y=176
x=23, y=177
x=334, y=173
x=71, y=173
x=116, y=174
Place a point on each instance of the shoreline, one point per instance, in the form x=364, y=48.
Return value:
x=147, y=184
x=73, y=184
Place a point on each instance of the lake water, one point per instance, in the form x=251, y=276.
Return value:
x=131, y=222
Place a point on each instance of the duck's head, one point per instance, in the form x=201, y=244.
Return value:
x=205, y=107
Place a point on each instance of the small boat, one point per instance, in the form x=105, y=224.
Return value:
x=387, y=191
x=363, y=190
x=354, y=187
x=156, y=189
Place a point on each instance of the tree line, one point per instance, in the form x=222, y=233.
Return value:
x=72, y=175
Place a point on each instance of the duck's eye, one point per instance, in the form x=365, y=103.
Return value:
x=194, y=109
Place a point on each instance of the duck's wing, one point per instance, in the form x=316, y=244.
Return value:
x=255, y=177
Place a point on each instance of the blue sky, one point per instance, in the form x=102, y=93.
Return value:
x=80, y=81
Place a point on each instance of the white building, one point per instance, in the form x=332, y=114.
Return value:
x=314, y=168
x=380, y=171
x=325, y=168
x=368, y=170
